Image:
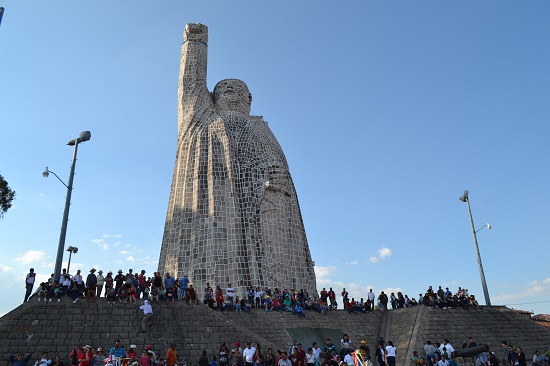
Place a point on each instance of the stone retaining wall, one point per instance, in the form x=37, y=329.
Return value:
x=58, y=327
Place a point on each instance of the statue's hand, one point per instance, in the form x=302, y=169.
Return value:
x=196, y=32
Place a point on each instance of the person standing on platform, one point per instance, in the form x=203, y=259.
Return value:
x=29, y=283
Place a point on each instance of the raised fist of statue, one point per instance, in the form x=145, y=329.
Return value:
x=196, y=32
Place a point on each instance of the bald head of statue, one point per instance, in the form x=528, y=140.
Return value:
x=232, y=95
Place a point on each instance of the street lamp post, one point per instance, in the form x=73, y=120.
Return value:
x=464, y=198
x=71, y=250
x=84, y=136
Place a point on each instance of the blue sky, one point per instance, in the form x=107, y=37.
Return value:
x=386, y=110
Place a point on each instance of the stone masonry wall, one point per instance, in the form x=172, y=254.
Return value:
x=57, y=327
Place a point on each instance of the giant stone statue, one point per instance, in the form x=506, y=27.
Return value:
x=233, y=215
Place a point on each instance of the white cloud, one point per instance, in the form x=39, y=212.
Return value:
x=30, y=256
x=101, y=243
x=5, y=268
x=530, y=289
x=112, y=236
x=130, y=259
x=123, y=252
x=352, y=263
x=322, y=272
x=384, y=252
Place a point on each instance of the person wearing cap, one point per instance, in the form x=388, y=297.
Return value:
x=100, y=283
x=91, y=284
x=119, y=280
x=147, y=316
x=132, y=352
x=248, y=354
x=171, y=355
x=29, y=284
x=238, y=350
x=86, y=356
x=151, y=354
x=20, y=359
x=98, y=358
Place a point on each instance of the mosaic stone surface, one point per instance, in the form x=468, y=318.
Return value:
x=233, y=214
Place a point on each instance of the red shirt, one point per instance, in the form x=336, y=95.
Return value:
x=84, y=359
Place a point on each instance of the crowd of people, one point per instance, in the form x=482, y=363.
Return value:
x=129, y=287
x=331, y=354
x=86, y=355
x=444, y=354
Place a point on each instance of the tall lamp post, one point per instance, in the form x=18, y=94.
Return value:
x=464, y=198
x=84, y=136
x=71, y=250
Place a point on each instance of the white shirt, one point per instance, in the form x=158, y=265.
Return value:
x=371, y=296
x=285, y=362
x=345, y=344
x=442, y=363
x=78, y=279
x=349, y=359
x=317, y=353
x=390, y=351
x=42, y=361
x=449, y=348
x=147, y=309
x=31, y=278
x=230, y=292
x=248, y=353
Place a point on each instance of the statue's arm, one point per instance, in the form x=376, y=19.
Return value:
x=192, y=83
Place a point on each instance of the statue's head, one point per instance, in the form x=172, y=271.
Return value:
x=232, y=95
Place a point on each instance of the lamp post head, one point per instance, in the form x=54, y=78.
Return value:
x=489, y=226
x=46, y=173
x=72, y=249
x=84, y=136
x=464, y=197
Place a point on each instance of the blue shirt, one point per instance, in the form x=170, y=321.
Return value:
x=120, y=352
x=169, y=282
x=16, y=362
x=184, y=281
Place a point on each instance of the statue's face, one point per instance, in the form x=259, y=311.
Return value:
x=233, y=95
